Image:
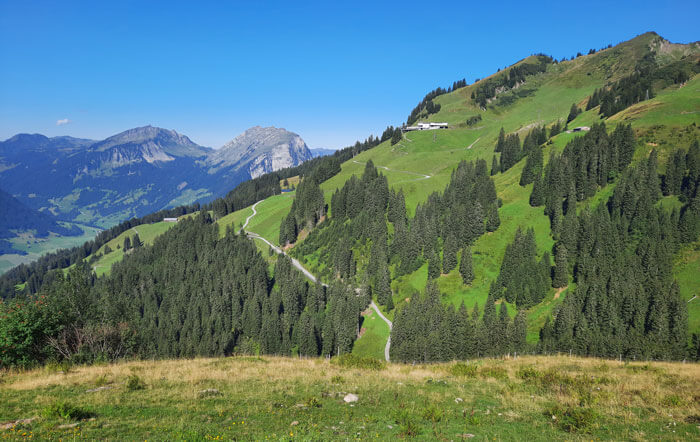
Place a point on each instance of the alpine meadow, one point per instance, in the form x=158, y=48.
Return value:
x=517, y=260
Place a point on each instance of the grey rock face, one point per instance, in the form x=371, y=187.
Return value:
x=260, y=150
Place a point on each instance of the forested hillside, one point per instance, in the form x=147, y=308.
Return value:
x=542, y=221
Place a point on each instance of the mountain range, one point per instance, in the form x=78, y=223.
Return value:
x=137, y=171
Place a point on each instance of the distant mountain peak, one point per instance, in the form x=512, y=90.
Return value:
x=261, y=150
x=147, y=143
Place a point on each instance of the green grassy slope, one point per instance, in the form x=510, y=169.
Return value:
x=271, y=213
x=374, y=332
x=235, y=220
x=254, y=398
x=147, y=233
x=686, y=270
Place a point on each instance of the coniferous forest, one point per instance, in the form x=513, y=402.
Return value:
x=190, y=294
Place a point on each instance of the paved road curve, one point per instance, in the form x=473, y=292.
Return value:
x=388, y=341
x=310, y=275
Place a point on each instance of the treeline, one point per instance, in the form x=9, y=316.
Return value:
x=426, y=330
x=307, y=210
x=587, y=163
x=639, y=85
x=355, y=245
x=523, y=280
x=516, y=75
x=426, y=105
x=620, y=255
x=512, y=151
x=190, y=294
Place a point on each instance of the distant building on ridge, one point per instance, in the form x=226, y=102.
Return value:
x=425, y=126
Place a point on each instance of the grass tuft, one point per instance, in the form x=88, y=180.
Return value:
x=67, y=411
x=464, y=370
x=134, y=382
x=573, y=419
x=353, y=361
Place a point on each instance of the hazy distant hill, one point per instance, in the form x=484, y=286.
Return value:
x=320, y=152
x=135, y=172
x=16, y=218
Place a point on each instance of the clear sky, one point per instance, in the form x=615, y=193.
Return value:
x=333, y=72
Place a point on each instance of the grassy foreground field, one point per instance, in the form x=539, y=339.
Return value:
x=251, y=398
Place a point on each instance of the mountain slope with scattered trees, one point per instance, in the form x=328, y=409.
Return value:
x=567, y=242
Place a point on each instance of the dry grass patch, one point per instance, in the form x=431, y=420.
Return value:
x=257, y=397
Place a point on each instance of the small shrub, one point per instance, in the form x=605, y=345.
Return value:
x=470, y=418
x=101, y=380
x=494, y=372
x=693, y=419
x=432, y=414
x=352, y=361
x=63, y=366
x=672, y=401
x=65, y=410
x=312, y=402
x=248, y=346
x=573, y=419
x=407, y=426
x=337, y=379
x=461, y=369
x=473, y=119
x=528, y=373
x=602, y=367
x=134, y=382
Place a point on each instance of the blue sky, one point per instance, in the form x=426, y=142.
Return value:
x=334, y=72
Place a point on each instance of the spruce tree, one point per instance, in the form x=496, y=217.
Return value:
x=307, y=341
x=533, y=166
x=689, y=226
x=433, y=264
x=501, y=141
x=449, y=254
x=537, y=195
x=465, y=266
x=573, y=113
x=520, y=331
x=561, y=266
x=493, y=220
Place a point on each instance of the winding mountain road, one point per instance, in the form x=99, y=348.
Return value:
x=388, y=341
x=308, y=274
x=247, y=220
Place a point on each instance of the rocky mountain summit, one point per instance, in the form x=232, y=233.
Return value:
x=260, y=150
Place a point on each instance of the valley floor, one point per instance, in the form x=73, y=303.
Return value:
x=257, y=398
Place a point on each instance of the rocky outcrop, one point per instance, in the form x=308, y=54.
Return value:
x=260, y=150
